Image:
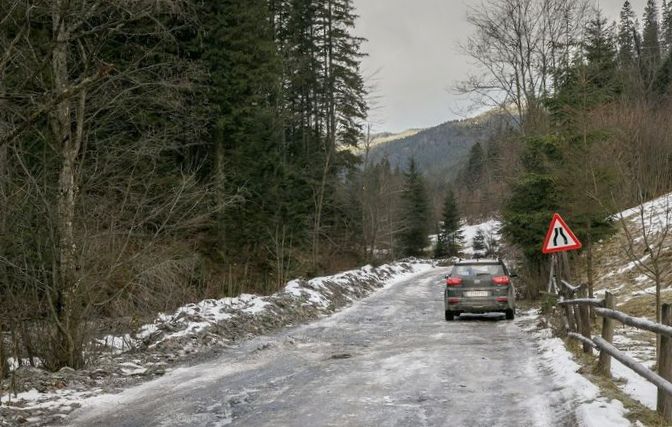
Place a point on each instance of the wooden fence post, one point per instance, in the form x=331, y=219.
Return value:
x=664, y=407
x=586, y=327
x=577, y=317
x=604, y=362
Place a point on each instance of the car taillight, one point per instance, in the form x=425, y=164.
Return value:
x=502, y=299
x=454, y=281
x=501, y=280
x=453, y=300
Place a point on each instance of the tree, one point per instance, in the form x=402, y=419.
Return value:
x=246, y=156
x=666, y=27
x=519, y=45
x=474, y=167
x=95, y=155
x=449, y=240
x=600, y=53
x=414, y=237
x=629, y=50
x=478, y=243
x=628, y=37
x=651, y=52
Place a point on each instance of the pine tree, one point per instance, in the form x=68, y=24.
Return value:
x=474, y=168
x=245, y=74
x=650, y=55
x=600, y=53
x=627, y=38
x=449, y=241
x=491, y=245
x=666, y=27
x=416, y=215
x=478, y=243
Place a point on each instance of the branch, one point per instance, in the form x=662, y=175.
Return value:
x=68, y=93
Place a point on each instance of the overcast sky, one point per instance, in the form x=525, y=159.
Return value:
x=414, y=60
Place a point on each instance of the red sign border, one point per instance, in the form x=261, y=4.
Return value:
x=549, y=233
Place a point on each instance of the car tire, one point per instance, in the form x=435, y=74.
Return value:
x=450, y=316
x=510, y=314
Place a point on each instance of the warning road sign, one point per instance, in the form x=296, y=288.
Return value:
x=559, y=237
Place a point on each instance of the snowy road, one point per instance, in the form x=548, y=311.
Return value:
x=388, y=360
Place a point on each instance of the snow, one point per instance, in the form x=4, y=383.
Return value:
x=635, y=386
x=657, y=214
x=489, y=228
x=194, y=318
x=592, y=409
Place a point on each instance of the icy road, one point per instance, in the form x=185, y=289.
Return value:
x=388, y=360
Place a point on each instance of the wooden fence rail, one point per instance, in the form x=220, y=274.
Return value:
x=577, y=321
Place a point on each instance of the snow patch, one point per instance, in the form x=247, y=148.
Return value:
x=489, y=228
x=592, y=409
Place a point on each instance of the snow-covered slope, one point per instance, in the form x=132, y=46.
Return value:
x=623, y=266
x=208, y=326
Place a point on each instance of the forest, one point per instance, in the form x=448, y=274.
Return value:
x=154, y=153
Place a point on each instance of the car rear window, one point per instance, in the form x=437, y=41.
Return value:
x=478, y=269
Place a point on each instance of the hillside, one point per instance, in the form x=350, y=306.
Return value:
x=441, y=149
x=623, y=266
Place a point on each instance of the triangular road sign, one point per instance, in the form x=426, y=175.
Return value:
x=559, y=237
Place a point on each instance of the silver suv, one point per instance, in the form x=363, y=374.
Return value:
x=479, y=286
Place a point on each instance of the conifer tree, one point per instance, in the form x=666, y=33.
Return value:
x=600, y=53
x=628, y=35
x=478, y=243
x=666, y=27
x=416, y=215
x=245, y=74
x=475, y=165
x=449, y=241
x=650, y=56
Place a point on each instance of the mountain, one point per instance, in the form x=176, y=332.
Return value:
x=439, y=151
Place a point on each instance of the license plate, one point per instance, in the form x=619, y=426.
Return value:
x=477, y=294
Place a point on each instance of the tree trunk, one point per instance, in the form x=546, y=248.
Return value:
x=67, y=193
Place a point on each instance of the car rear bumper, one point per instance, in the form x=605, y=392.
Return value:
x=478, y=306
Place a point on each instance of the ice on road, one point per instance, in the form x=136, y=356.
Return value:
x=388, y=360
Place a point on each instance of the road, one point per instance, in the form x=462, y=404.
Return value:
x=388, y=360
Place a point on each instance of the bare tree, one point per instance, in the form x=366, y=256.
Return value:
x=83, y=128
x=518, y=45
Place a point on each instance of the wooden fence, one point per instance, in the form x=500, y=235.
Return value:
x=576, y=316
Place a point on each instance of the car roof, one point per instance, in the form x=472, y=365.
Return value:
x=478, y=261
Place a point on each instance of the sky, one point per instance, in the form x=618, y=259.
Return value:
x=414, y=61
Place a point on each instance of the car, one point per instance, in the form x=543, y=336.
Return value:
x=479, y=286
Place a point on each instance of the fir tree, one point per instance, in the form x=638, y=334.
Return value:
x=628, y=35
x=449, y=242
x=474, y=168
x=600, y=53
x=650, y=55
x=666, y=27
x=478, y=243
x=245, y=74
x=416, y=216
